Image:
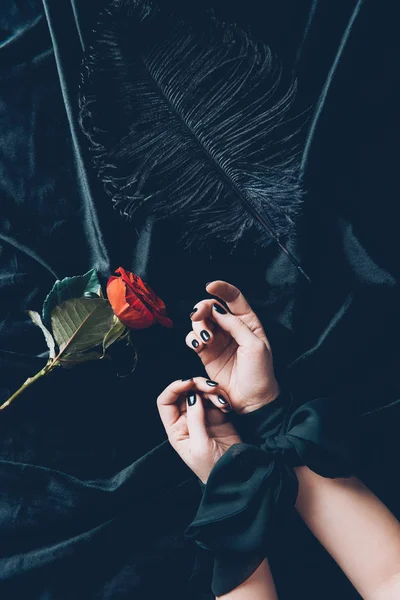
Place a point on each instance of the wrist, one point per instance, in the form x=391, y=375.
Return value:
x=272, y=395
x=205, y=473
x=266, y=421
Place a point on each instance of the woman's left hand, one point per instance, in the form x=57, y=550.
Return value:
x=198, y=431
x=234, y=348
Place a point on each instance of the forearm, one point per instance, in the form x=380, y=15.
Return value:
x=260, y=586
x=356, y=528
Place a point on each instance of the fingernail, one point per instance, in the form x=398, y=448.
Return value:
x=193, y=311
x=208, y=283
x=222, y=399
x=211, y=383
x=191, y=398
x=205, y=335
x=219, y=309
x=187, y=379
x=195, y=344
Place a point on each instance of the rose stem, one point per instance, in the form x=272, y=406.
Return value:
x=48, y=366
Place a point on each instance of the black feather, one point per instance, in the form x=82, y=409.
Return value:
x=192, y=123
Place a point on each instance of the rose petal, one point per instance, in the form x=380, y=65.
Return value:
x=130, y=310
x=165, y=321
x=142, y=316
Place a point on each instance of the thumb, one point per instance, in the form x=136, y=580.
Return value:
x=196, y=419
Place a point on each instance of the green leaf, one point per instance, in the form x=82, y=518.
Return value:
x=115, y=333
x=70, y=287
x=47, y=335
x=80, y=324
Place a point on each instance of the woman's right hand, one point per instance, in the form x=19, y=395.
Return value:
x=198, y=431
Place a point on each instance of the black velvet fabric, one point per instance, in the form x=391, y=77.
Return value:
x=94, y=503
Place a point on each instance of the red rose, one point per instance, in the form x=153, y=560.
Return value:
x=134, y=302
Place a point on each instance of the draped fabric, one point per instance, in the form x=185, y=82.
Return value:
x=94, y=502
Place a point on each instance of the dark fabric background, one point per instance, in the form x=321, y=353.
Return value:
x=93, y=502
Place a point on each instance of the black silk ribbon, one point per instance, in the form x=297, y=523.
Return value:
x=252, y=486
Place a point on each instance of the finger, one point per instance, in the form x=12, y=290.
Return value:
x=213, y=391
x=236, y=328
x=231, y=295
x=196, y=419
x=194, y=342
x=202, y=310
x=204, y=330
x=238, y=305
x=168, y=402
x=215, y=347
x=220, y=401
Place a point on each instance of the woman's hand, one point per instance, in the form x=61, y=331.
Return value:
x=198, y=431
x=234, y=348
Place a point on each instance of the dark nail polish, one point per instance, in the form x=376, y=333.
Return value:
x=187, y=379
x=193, y=311
x=219, y=309
x=205, y=335
x=211, y=383
x=195, y=344
x=222, y=399
x=191, y=398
